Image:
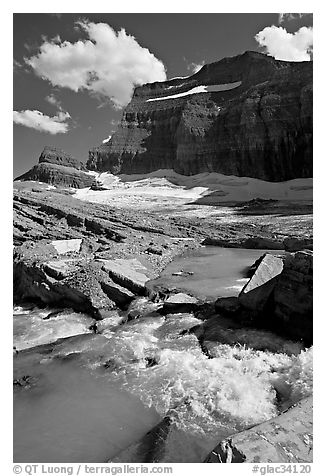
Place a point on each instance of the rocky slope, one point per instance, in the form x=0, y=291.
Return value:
x=56, y=167
x=100, y=260
x=255, y=119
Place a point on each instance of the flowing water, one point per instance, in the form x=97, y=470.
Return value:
x=71, y=415
x=211, y=272
x=90, y=396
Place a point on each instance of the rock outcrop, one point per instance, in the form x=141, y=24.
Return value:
x=279, y=296
x=257, y=291
x=88, y=257
x=293, y=295
x=163, y=443
x=56, y=167
x=53, y=155
x=180, y=302
x=284, y=439
x=255, y=119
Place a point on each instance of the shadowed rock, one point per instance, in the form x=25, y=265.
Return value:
x=164, y=443
x=260, y=126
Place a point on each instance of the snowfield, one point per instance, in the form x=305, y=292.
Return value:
x=165, y=189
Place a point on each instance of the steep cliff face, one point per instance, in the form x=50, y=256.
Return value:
x=249, y=115
x=56, y=167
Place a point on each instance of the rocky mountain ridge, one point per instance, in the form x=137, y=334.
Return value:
x=56, y=167
x=249, y=115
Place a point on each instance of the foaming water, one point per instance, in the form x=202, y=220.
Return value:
x=90, y=396
x=210, y=272
x=33, y=327
x=229, y=392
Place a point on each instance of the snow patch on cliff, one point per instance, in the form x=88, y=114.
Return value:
x=199, y=89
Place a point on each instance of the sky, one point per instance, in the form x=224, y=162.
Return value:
x=74, y=73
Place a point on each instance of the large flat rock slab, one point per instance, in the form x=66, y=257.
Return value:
x=67, y=246
x=257, y=291
x=61, y=268
x=180, y=302
x=129, y=273
x=284, y=439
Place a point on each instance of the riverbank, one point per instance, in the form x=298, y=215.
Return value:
x=175, y=353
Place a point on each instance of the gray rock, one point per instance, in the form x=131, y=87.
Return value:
x=228, y=305
x=262, y=128
x=258, y=290
x=130, y=273
x=164, y=443
x=293, y=296
x=180, y=302
x=284, y=439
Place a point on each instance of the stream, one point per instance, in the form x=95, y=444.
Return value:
x=87, y=397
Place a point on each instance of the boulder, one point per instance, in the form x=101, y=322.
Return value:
x=258, y=290
x=165, y=443
x=77, y=283
x=180, y=302
x=293, y=296
x=120, y=295
x=130, y=273
x=59, y=269
x=286, y=438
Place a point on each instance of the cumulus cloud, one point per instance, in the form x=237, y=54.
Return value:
x=195, y=67
x=107, y=63
x=277, y=42
x=43, y=123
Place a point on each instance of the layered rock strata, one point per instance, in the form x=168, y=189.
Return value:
x=56, y=167
x=249, y=115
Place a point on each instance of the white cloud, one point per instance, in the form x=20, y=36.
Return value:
x=195, y=67
x=39, y=121
x=107, y=64
x=106, y=140
x=17, y=65
x=283, y=17
x=277, y=42
x=51, y=99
